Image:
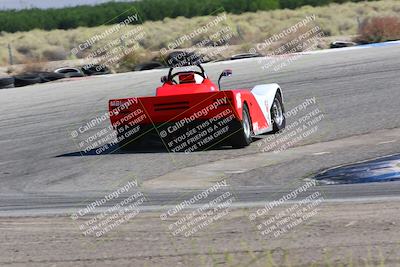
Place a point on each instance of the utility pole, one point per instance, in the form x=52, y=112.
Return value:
x=10, y=55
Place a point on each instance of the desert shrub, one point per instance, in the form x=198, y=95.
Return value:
x=32, y=66
x=129, y=61
x=10, y=70
x=379, y=29
x=55, y=53
x=292, y=43
x=24, y=49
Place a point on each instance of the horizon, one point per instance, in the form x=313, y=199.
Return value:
x=45, y=4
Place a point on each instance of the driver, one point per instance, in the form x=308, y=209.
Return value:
x=187, y=76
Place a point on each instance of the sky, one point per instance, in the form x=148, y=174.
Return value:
x=19, y=4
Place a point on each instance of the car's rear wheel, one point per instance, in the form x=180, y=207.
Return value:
x=278, y=114
x=242, y=137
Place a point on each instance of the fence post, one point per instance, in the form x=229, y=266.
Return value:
x=10, y=55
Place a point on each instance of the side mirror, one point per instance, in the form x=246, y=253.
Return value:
x=164, y=79
x=225, y=73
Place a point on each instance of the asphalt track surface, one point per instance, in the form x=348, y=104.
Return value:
x=42, y=170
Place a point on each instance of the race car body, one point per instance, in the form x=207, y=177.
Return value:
x=190, y=112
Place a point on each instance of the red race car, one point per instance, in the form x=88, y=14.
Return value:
x=191, y=113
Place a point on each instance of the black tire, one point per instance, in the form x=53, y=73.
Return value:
x=70, y=72
x=26, y=79
x=278, y=114
x=7, y=82
x=149, y=66
x=242, y=137
x=96, y=70
x=245, y=55
x=49, y=76
x=74, y=75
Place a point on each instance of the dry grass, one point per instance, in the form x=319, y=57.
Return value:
x=32, y=67
x=335, y=20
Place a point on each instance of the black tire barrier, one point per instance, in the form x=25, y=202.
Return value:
x=245, y=55
x=95, y=70
x=341, y=44
x=70, y=72
x=26, y=79
x=149, y=66
x=7, y=82
x=50, y=76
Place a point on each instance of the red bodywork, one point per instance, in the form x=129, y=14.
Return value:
x=175, y=102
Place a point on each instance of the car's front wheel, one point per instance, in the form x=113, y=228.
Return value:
x=278, y=114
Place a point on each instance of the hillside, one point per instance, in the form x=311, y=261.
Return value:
x=247, y=28
x=149, y=10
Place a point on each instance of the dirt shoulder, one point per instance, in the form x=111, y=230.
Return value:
x=358, y=234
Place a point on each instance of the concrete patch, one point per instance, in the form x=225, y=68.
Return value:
x=205, y=175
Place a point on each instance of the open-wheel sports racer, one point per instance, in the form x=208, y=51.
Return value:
x=189, y=112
